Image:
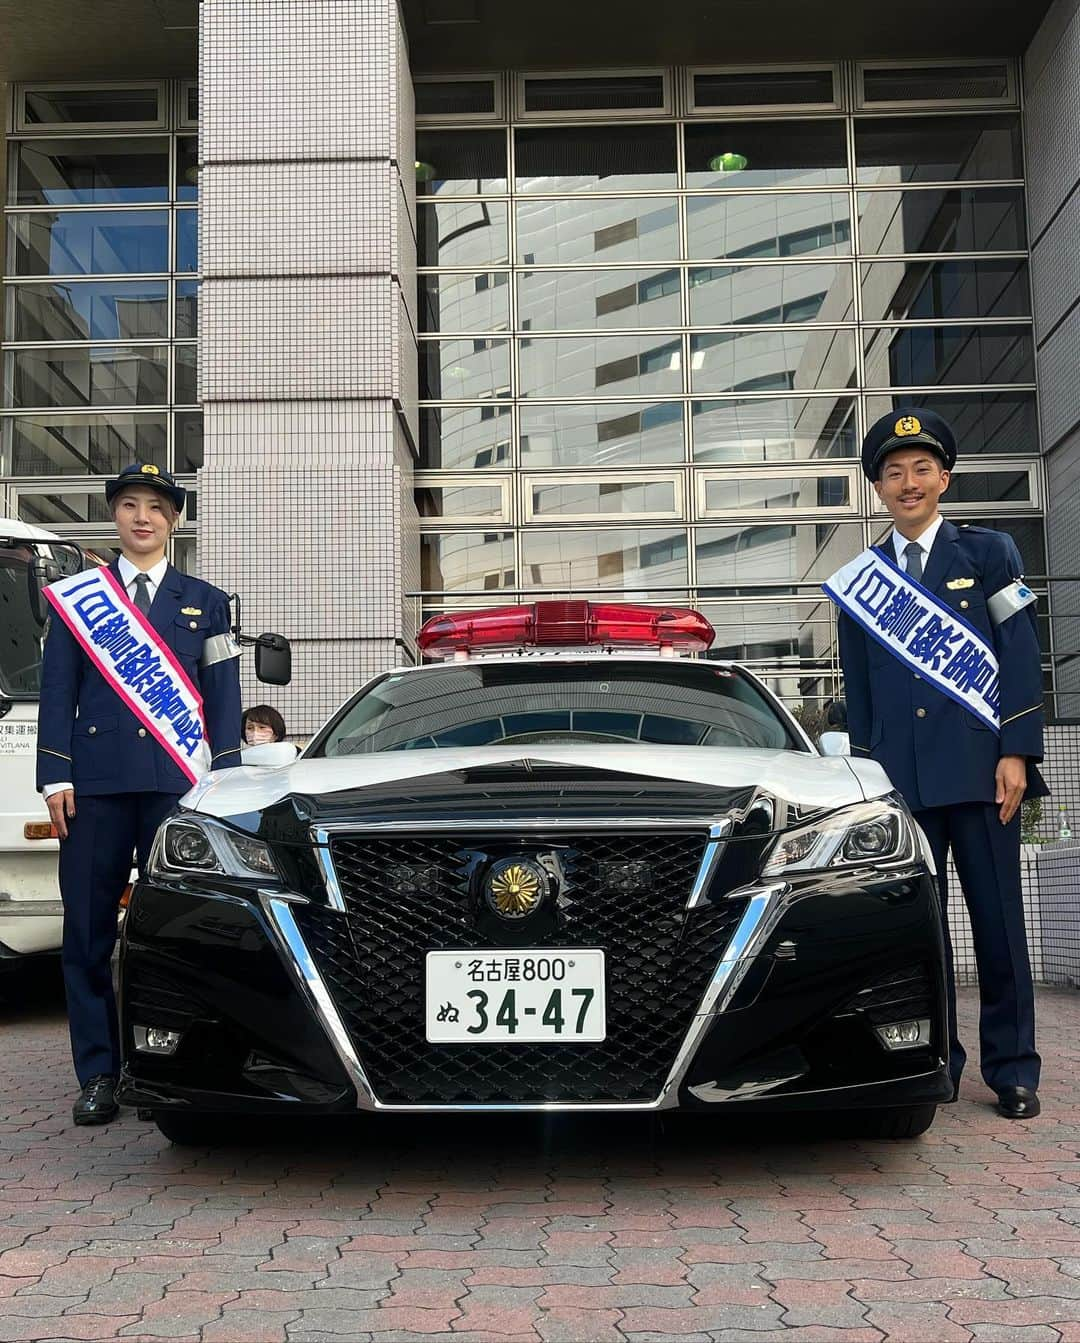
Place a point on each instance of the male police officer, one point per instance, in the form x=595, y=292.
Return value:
x=107, y=768
x=964, y=778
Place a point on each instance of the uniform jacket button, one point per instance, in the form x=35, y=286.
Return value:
x=91, y=730
x=142, y=732
x=920, y=713
x=194, y=624
x=964, y=605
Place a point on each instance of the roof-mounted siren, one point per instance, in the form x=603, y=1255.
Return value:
x=572, y=624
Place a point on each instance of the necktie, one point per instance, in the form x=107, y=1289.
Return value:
x=142, y=593
x=913, y=554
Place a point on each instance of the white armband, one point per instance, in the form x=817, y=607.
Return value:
x=218, y=648
x=1008, y=601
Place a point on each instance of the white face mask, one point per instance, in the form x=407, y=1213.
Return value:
x=255, y=734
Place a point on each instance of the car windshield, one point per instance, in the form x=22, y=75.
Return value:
x=664, y=703
x=20, y=634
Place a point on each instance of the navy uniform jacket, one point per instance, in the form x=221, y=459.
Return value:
x=88, y=736
x=943, y=755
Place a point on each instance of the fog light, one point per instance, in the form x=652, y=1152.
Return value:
x=156, y=1040
x=905, y=1034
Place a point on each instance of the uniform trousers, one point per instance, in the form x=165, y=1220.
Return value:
x=95, y=866
x=987, y=858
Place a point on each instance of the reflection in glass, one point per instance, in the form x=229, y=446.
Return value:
x=997, y=486
x=99, y=310
x=187, y=309
x=630, y=558
x=776, y=493
x=52, y=510
x=91, y=172
x=984, y=147
x=1002, y=422
x=758, y=295
x=464, y=370
x=587, y=158
x=552, y=300
x=811, y=224
x=460, y=163
x=766, y=430
x=100, y=375
x=925, y=356
x=186, y=375
x=967, y=219
x=469, y=234
x=776, y=153
x=598, y=498
x=762, y=88
x=106, y=242
x=476, y=437
x=601, y=434
x=732, y=558
x=764, y=631
x=464, y=302
x=187, y=168
x=187, y=240
x=62, y=443
x=1026, y=532
x=786, y=359
x=919, y=290
x=609, y=231
x=460, y=501
x=601, y=365
x=90, y=106
x=188, y=439
x=453, y=561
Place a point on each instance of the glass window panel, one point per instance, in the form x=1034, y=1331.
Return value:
x=812, y=223
x=460, y=163
x=187, y=240
x=989, y=487
x=562, y=233
x=569, y=300
x=756, y=295
x=735, y=155
x=186, y=388
x=892, y=150
x=477, y=437
x=775, y=493
x=91, y=172
x=107, y=242
x=465, y=302
x=601, y=434
x=101, y=310
x=191, y=103
x=59, y=443
x=935, y=83
x=99, y=375
x=590, y=158
x=460, y=501
x=188, y=440
x=464, y=370
x=1001, y=423
x=454, y=561
x=187, y=309
x=601, y=366
x=90, y=106
x=766, y=430
x=967, y=219
x=595, y=93
x=763, y=631
x=923, y=356
x=787, y=359
x=918, y=290
x=187, y=168
x=468, y=234
x=454, y=97
x=597, y=498
x=731, y=559
x=786, y=88
x=63, y=508
x=629, y=558
x=1026, y=532
x=184, y=556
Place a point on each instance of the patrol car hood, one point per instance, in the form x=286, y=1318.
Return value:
x=809, y=782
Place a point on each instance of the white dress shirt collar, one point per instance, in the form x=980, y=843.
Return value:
x=925, y=540
x=129, y=570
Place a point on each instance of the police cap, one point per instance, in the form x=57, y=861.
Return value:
x=145, y=473
x=907, y=427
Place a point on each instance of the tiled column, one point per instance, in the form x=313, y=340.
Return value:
x=307, y=347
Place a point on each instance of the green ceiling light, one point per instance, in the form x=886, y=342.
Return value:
x=425, y=172
x=728, y=163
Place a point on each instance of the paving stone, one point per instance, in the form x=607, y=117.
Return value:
x=567, y=1325
x=819, y=1303
x=927, y=1322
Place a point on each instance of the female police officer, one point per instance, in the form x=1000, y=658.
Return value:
x=108, y=761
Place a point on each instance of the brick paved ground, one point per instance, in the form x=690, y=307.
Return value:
x=491, y=1229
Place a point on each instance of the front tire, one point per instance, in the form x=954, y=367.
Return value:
x=900, y=1121
x=190, y=1128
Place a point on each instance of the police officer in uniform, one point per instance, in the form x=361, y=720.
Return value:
x=106, y=781
x=963, y=781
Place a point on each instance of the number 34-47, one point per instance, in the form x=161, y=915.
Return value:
x=553, y=1015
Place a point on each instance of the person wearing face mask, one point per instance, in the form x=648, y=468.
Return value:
x=262, y=724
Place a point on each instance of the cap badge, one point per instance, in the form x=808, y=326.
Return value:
x=148, y=469
x=191, y=610
x=955, y=583
x=906, y=426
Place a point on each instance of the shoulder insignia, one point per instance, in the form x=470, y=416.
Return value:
x=955, y=583
x=191, y=610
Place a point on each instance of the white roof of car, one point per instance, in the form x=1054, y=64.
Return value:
x=24, y=530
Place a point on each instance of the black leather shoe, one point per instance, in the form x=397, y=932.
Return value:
x=1018, y=1103
x=97, y=1104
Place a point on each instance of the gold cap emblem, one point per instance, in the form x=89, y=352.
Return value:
x=515, y=888
x=906, y=426
x=148, y=469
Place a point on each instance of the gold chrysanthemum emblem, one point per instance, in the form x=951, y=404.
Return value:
x=515, y=890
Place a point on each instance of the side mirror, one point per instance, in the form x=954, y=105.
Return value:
x=273, y=659
x=269, y=754
x=40, y=572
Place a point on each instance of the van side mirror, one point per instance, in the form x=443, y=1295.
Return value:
x=273, y=659
x=40, y=572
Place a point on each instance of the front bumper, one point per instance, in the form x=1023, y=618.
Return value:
x=786, y=1020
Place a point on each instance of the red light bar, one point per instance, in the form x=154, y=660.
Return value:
x=567, y=624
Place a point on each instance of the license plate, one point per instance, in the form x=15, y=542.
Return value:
x=515, y=997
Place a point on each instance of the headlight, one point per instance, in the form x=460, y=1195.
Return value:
x=865, y=834
x=194, y=845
